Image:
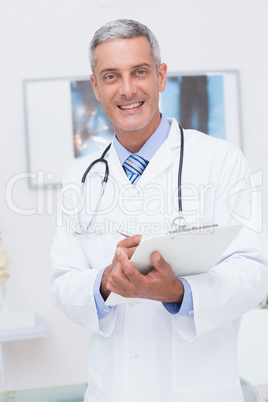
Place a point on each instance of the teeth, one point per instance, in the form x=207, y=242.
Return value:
x=126, y=107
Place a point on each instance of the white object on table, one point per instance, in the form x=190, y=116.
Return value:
x=37, y=330
x=252, y=346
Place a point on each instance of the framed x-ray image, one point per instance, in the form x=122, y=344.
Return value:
x=205, y=101
x=64, y=121
x=92, y=130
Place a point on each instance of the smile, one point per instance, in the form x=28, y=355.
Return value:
x=132, y=106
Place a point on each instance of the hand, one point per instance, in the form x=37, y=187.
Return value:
x=159, y=284
x=129, y=245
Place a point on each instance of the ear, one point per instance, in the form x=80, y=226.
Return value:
x=95, y=87
x=162, y=77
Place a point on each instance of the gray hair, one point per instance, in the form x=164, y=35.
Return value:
x=124, y=29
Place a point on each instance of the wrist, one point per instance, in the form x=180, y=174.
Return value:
x=103, y=289
x=178, y=292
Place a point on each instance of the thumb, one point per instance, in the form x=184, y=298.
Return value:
x=158, y=261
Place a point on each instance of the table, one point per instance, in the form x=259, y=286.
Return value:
x=75, y=393
x=7, y=335
x=252, y=346
x=69, y=393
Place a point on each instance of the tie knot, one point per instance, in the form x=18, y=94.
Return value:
x=134, y=166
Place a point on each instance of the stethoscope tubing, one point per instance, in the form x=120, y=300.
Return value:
x=106, y=177
x=99, y=160
x=180, y=169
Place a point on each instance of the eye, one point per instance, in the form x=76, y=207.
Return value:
x=141, y=72
x=109, y=77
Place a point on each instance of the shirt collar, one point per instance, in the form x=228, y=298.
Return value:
x=150, y=147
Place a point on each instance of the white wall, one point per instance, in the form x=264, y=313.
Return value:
x=42, y=39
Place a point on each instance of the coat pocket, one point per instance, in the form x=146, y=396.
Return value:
x=205, y=365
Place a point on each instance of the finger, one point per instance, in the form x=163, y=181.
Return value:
x=130, y=244
x=114, y=287
x=119, y=283
x=118, y=277
x=134, y=276
x=159, y=262
x=130, y=251
x=131, y=241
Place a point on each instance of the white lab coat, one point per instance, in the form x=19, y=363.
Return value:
x=139, y=351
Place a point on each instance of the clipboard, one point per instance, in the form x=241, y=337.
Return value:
x=189, y=252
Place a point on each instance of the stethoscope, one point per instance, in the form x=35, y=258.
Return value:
x=178, y=224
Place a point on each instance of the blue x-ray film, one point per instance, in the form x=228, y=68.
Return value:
x=197, y=102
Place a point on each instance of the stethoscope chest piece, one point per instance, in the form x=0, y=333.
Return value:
x=178, y=224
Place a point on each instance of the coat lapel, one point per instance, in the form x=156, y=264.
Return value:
x=162, y=159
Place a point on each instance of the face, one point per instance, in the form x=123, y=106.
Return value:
x=127, y=84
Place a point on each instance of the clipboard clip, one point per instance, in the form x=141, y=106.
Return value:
x=193, y=228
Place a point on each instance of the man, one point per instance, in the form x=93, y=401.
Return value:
x=176, y=342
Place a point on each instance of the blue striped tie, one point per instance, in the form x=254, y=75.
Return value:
x=134, y=166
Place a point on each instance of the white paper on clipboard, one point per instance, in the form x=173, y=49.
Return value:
x=189, y=253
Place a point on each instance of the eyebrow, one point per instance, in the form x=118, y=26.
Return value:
x=111, y=70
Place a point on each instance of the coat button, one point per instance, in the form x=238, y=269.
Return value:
x=133, y=304
x=131, y=356
x=191, y=312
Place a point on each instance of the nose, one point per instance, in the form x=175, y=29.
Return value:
x=127, y=87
